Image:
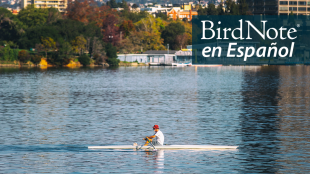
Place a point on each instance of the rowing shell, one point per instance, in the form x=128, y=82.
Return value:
x=165, y=147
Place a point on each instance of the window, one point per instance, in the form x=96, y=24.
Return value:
x=308, y=2
x=293, y=9
x=283, y=2
x=302, y=9
x=302, y=3
x=308, y=9
x=283, y=8
x=293, y=3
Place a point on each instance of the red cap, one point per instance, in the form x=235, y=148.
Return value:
x=156, y=127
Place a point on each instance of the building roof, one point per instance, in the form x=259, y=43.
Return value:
x=160, y=52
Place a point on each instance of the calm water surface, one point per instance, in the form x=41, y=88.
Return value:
x=49, y=117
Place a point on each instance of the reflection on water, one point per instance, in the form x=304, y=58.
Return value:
x=48, y=118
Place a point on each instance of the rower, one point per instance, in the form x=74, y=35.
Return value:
x=157, y=139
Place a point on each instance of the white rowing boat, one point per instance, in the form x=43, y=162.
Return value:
x=171, y=147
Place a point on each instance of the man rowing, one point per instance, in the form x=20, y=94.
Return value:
x=157, y=139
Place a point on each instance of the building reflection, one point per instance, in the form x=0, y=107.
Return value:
x=259, y=119
x=294, y=117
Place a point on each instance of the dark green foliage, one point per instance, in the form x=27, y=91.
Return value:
x=112, y=55
x=23, y=56
x=112, y=4
x=211, y=10
x=135, y=6
x=171, y=32
x=56, y=59
x=60, y=31
x=84, y=60
x=35, y=59
x=113, y=61
x=8, y=54
x=32, y=16
x=162, y=16
x=134, y=17
x=111, y=51
x=10, y=27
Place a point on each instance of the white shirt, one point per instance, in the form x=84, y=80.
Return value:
x=160, y=137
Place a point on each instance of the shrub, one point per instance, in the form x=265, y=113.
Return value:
x=23, y=56
x=35, y=59
x=113, y=61
x=58, y=60
x=84, y=60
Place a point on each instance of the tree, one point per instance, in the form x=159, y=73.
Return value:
x=211, y=10
x=84, y=60
x=112, y=4
x=32, y=16
x=171, y=32
x=219, y=9
x=23, y=56
x=53, y=15
x=148, y=35
x=202, y=11
x=79, y=44
x=65, y=48
x=181, y=40
x=111, y=54
x=162, y=16
x=36, y=59
x=127, y=27
x=243, y=7
x=110, y=51
x=111, y=30
x=48, y=44
x=10, y=27
x=135, y=6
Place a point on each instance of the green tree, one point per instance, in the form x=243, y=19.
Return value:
x=112, y=4
x=32, y=16
x=10, y=27
x=84, y=60
x=65, y=49
x=79, y=44
x=111, y=51
x=48, y=44
x=53, y=15
x=202, y=11
x=211, y=10
x=220, y=9
x=171, y=32
x=111, y=54
x=162, y=16
x=36, y=59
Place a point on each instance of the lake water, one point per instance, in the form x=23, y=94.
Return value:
x=49, y=117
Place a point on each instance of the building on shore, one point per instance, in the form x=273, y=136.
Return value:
x=61, y=5
x=178, y=13
x=299, y=7
x=264, y=7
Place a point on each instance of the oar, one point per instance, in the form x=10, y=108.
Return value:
x=151, y=143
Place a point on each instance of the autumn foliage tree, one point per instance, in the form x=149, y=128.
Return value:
x=126, y=27
x=88, y=12
x=110, y=29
